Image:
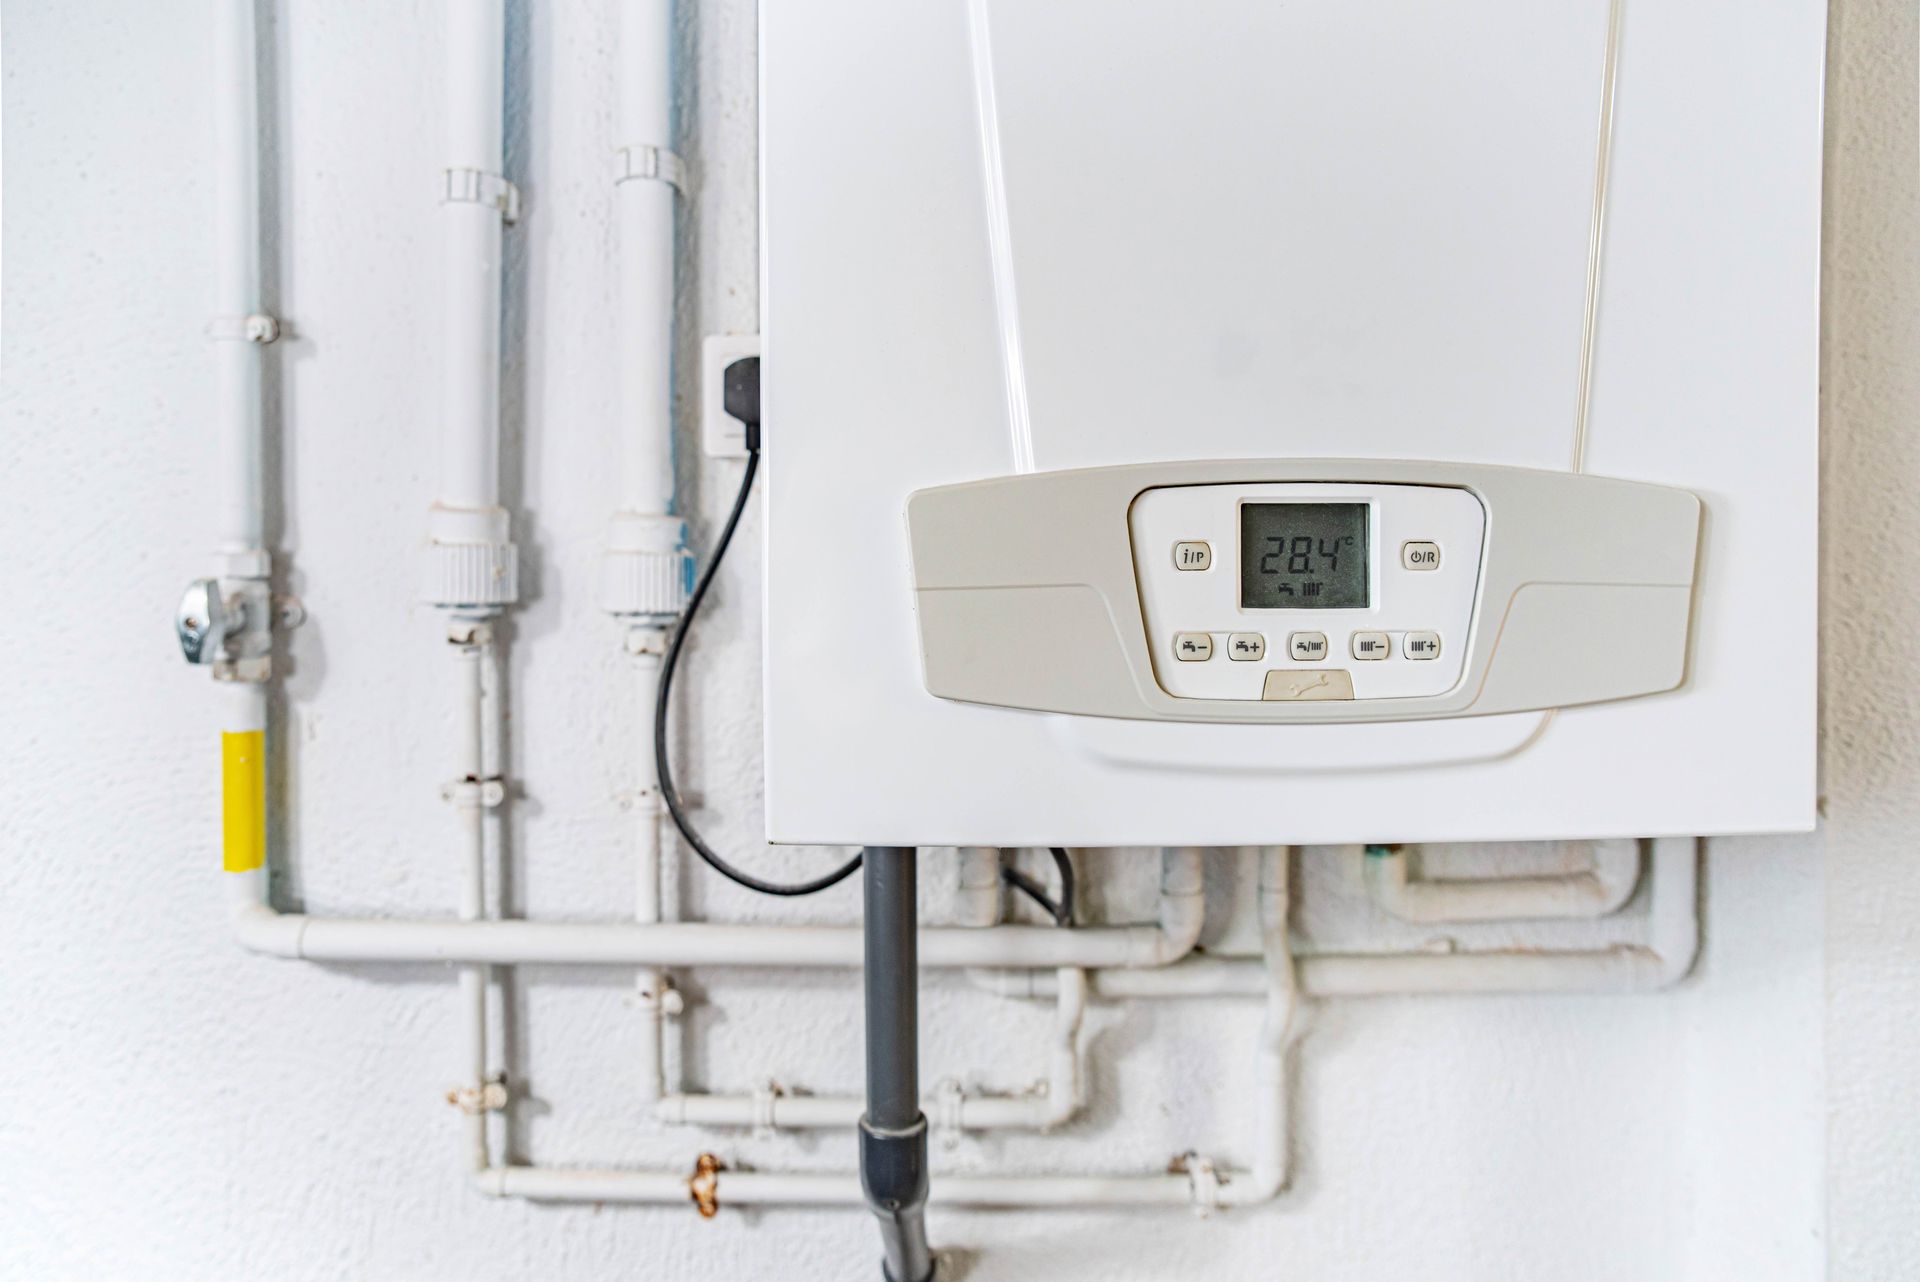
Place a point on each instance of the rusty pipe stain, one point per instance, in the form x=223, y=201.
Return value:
x=703, y=1186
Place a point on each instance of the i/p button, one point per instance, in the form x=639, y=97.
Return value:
x=1193, y=555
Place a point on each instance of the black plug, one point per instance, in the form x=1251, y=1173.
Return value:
x=742, y=383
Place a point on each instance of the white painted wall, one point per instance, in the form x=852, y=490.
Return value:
x=1870, y=635
x=172, y=1108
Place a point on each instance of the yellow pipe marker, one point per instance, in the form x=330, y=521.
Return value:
x=243, y=799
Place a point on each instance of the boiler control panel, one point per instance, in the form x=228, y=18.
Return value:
x=1307, y=591
x=1302, y=590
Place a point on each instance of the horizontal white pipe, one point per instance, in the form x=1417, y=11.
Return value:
x=1227, y=1188
x=1133, y=961
x=1602, y=889
x=1039, y=1112
x=839, y=1112
x=563, y=943
x=259, y=927
x=766, y=1188
x=1672, y=944
x=773, y=1111
x=1042, y=1111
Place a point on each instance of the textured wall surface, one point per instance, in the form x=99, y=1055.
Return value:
x=1870, y=635
x=173, y=1108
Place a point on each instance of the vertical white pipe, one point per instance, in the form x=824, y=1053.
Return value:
x=471, y=232
x=1063, y=1072
x=977, y=890
x=1272, y=1107
x=238, y=507
x=646, y=646
x=644, y=209
x=470, y=672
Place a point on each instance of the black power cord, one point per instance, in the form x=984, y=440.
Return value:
x=1061, y=910
x=742, y=382
x=743, y=402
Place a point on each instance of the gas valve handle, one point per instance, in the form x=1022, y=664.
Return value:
x=203, y=621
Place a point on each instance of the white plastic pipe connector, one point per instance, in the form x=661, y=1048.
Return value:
x=1597, y=891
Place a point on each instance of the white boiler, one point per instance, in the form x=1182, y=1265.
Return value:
x=1239, y=423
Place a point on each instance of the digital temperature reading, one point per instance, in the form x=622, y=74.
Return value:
x=1303, y=556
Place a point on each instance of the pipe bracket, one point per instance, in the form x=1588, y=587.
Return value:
x=1203, y=1182
x=257, y=327
x=763, y=1106
x=949, y=1101
x=488, y=1097
x=646, y=162
x=484, y=794
x=478, y=187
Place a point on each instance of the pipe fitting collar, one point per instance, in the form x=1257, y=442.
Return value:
x=893, y=1166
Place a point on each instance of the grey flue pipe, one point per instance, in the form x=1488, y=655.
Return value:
x=893, y=1134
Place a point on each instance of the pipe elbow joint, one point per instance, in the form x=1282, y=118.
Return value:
x=260, y=929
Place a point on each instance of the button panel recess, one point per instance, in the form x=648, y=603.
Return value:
x=1421, y=551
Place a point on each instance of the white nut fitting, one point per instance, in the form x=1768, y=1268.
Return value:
x=647, y=569
x=470, y=561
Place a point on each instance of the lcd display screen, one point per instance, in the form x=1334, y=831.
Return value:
x=1303, y=556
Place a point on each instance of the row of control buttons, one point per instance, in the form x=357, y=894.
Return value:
x=1306, y=647
x=1194, y=554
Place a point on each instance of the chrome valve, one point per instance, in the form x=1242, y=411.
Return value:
x=204, y=622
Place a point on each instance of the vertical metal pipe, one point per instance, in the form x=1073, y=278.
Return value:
x=892, y=983
x=893, y=1134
